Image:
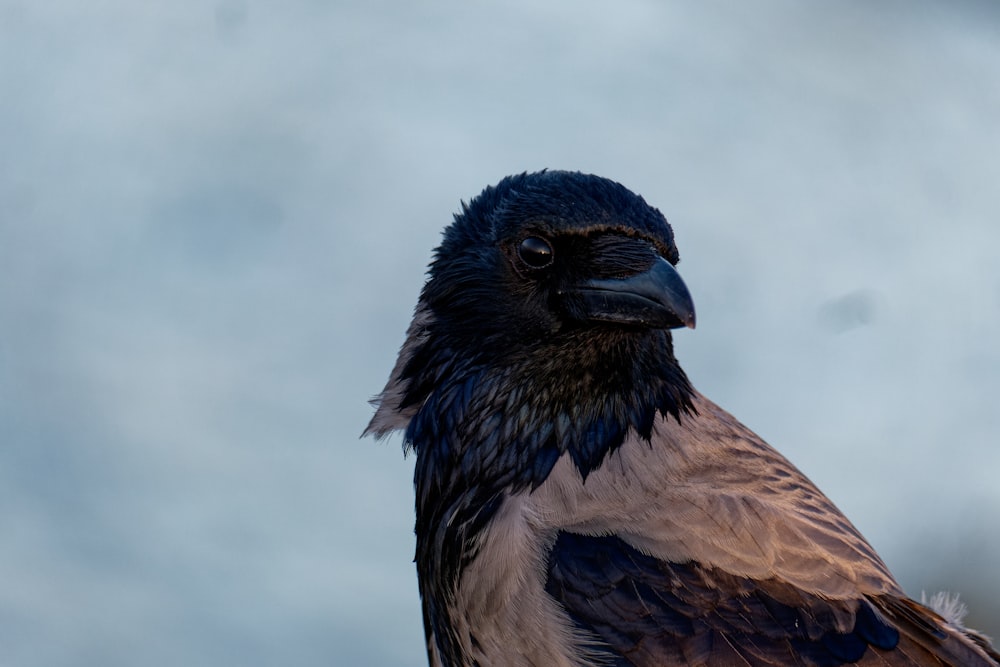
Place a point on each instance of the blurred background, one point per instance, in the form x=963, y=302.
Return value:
x=215, y=219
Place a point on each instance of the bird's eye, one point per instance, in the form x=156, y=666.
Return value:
x=535, y=252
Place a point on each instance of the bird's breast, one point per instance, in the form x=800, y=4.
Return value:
x=502, y=614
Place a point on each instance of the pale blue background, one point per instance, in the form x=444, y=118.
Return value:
x=214, y=222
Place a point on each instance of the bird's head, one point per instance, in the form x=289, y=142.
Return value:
x=543, y=326
x=544, y=257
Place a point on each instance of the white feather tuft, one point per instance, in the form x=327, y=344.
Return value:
x=947, y=605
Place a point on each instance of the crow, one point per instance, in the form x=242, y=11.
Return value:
x=578, y=502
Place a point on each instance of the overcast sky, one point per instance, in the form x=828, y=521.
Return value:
x=215, y=220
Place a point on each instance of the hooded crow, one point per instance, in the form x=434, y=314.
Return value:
x=578, y=502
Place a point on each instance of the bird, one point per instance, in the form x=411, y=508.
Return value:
x=578, y=501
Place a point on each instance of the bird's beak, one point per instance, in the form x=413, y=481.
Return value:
x=655, y=298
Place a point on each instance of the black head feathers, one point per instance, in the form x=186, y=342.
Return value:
x=559, y=282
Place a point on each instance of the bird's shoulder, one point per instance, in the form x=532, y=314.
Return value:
x=708, y=489
x=706, y=546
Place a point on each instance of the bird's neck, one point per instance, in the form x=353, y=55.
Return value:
x=490, y=426
x=502, y=420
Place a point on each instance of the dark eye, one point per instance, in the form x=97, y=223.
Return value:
x=535, y=252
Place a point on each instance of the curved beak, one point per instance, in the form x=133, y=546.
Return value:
x=655, y=298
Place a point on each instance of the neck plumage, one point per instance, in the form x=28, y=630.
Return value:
x=498, y=424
